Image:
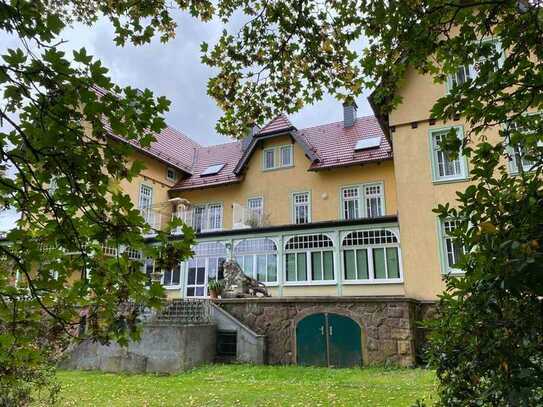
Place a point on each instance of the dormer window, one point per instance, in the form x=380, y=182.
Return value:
x=171, y=174
x=277, y=157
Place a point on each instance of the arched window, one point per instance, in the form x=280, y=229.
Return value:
x=371, y=255
x=309, y=258
x=258, y=258
x=210, y=249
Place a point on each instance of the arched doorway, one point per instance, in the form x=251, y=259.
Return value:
x=328, y=340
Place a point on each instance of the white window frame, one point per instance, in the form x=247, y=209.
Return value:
x=277, y=152
x=362, y=199
x=253, y=254
x=369, y=250
x=356, y=199
x=309, y=263
x=443, y=253
x=290, y=150
x=259, y=209
x=295, y=205
x=172, y=286
x=512, y=164
x=174, y=172
x=471, y=71
x=206, y=260
x=206, y=216
x=463, y=174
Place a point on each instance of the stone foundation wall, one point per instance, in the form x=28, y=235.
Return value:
x=162, y=349
x=388, y=324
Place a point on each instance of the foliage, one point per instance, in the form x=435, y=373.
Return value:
x=58, y=113
x=216, y=285
x=249, y=385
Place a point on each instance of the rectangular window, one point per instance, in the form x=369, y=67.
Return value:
x=269, y=159
x=321, y=269
x=445, y=167
x=467, y=72
x=301, y=207
x=452, y=248
x=198, y=218
x=374, y=200
x=146, y=197
x=351, y=203
x=278, y=157
x=149, y=268
x=256, y=206
x=214, y=217
x=172, y=277
x=286, y=156
x=522, y=155
x=171, y=174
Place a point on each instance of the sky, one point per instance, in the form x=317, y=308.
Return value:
x=174, y=70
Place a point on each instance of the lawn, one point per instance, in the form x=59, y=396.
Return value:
x=245, y=385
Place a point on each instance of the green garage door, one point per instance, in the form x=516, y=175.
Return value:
x=328, y=340
x=311, y=341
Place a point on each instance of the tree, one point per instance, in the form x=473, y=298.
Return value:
x=68, y=170
x=288, y=54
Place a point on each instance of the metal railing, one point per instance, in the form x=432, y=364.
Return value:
x=245, y=218
x=187, y=311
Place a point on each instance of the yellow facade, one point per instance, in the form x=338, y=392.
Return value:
x=277, y=186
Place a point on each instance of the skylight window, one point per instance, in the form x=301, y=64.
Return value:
x=212, y=170
x=367, y=143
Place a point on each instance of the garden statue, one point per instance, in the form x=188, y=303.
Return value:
x=239, y=285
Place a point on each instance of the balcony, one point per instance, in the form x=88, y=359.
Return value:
x=156, y=220
x=246, y=218
x=200, y=219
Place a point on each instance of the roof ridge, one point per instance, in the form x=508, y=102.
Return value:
x=337, y=122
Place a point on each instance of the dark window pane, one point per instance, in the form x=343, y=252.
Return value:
x=220, y=273
x=328, y=265
x=393, y=265
x=362, y=264
x=316, y=266
x=176, y=275
x=291, y=267
x=168, y=277
x=272, y=267
x=301, y=267
x=190, y=291
x=350, y=270
x=379, y=263
x=200, y=275
x=191, y=276
x=199, y=291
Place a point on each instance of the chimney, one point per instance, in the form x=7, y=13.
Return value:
x=349, y=113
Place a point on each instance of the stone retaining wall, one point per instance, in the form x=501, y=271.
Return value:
x=388, y=324
x=162, y=349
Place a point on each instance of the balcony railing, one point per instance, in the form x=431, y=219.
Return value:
x=155, y=219
x=245, y=218
x=200, y=222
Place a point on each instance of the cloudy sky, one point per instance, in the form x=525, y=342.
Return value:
x=174, y=70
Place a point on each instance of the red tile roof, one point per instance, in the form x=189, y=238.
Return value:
x=170, y=146
x=228, y=154
x=334, y=144
x=279, y=124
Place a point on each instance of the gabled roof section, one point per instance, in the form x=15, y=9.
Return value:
x=335, y=144
x=171, y=146
x=205, y=157
x=280, y=124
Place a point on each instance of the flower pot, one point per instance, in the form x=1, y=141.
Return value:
x=213, y=294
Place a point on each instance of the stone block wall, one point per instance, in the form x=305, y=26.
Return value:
x=162, y=349
x=387, y=324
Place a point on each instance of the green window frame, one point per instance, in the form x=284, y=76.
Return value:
x=449, y=250
x=527, y=164
x=371, y=256
x=258, y=259
x=445, y=169
x=309, y=259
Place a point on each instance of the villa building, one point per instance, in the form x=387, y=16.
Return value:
x=336, y=220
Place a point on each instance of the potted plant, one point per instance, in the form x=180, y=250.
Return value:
x=215, y=288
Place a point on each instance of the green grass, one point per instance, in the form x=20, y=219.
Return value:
x=245, y=385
